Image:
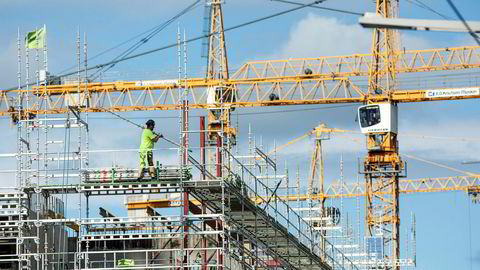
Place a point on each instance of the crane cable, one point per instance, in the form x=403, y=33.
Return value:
x=331, y=130
x=420, y=4
x=175, y=44
x=142, y=127
x=281, y=147
x=440, y=138
x=459, y=15
x=239, y=114
x=358, y=133
x=440, y=165
x=311, y=132
x=145, y=39
x=190, y=157
x=149, y=31
x=324, y=8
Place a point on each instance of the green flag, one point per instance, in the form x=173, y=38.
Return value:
x=35, y=39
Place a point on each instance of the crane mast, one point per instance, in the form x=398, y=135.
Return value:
x=217, y=69
x=382, y=164
x=381, y=79
x=317, y=173
x=217, y=50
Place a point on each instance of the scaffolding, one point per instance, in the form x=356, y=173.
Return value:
x=227, y=230
x=230, y=216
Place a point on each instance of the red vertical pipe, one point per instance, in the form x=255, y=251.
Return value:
x=202, y=145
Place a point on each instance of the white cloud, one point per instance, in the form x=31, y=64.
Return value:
x=447, y=140
x=315, y=36
x=410, y=42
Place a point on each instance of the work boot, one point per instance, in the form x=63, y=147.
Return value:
x=152, y=172
x=141, y=174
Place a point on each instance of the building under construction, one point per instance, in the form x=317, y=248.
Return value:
x=217, y=206
x=229, y=217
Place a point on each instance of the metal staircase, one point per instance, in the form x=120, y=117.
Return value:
x=268, y=224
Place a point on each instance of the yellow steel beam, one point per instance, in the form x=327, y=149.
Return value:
x=351, y=190
x=57, y=103
x=329, y=80
x=359, y=64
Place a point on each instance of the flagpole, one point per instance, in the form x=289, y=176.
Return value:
x=45, y=50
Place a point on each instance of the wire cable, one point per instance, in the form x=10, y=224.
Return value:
x=240, y=114
x=459, y=15
x=420, y=4
x=116, y=46
x=324, y=8
x=141, y=127
x=175, y=44
x=440, y=165
x=144, y=40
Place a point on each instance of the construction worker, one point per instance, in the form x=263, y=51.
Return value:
x=146, y=147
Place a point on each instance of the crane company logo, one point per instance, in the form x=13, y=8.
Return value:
x=452, y=92
x=157, y=82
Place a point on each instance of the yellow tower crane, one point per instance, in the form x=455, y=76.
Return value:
x=328, y=80
x=470, y=182
x=382, y=164
x=217, y=70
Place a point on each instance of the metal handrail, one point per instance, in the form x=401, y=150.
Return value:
x=301, y=221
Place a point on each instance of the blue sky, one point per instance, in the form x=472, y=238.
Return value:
x=442, y=218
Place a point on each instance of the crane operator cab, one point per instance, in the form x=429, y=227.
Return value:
x=378, y=120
